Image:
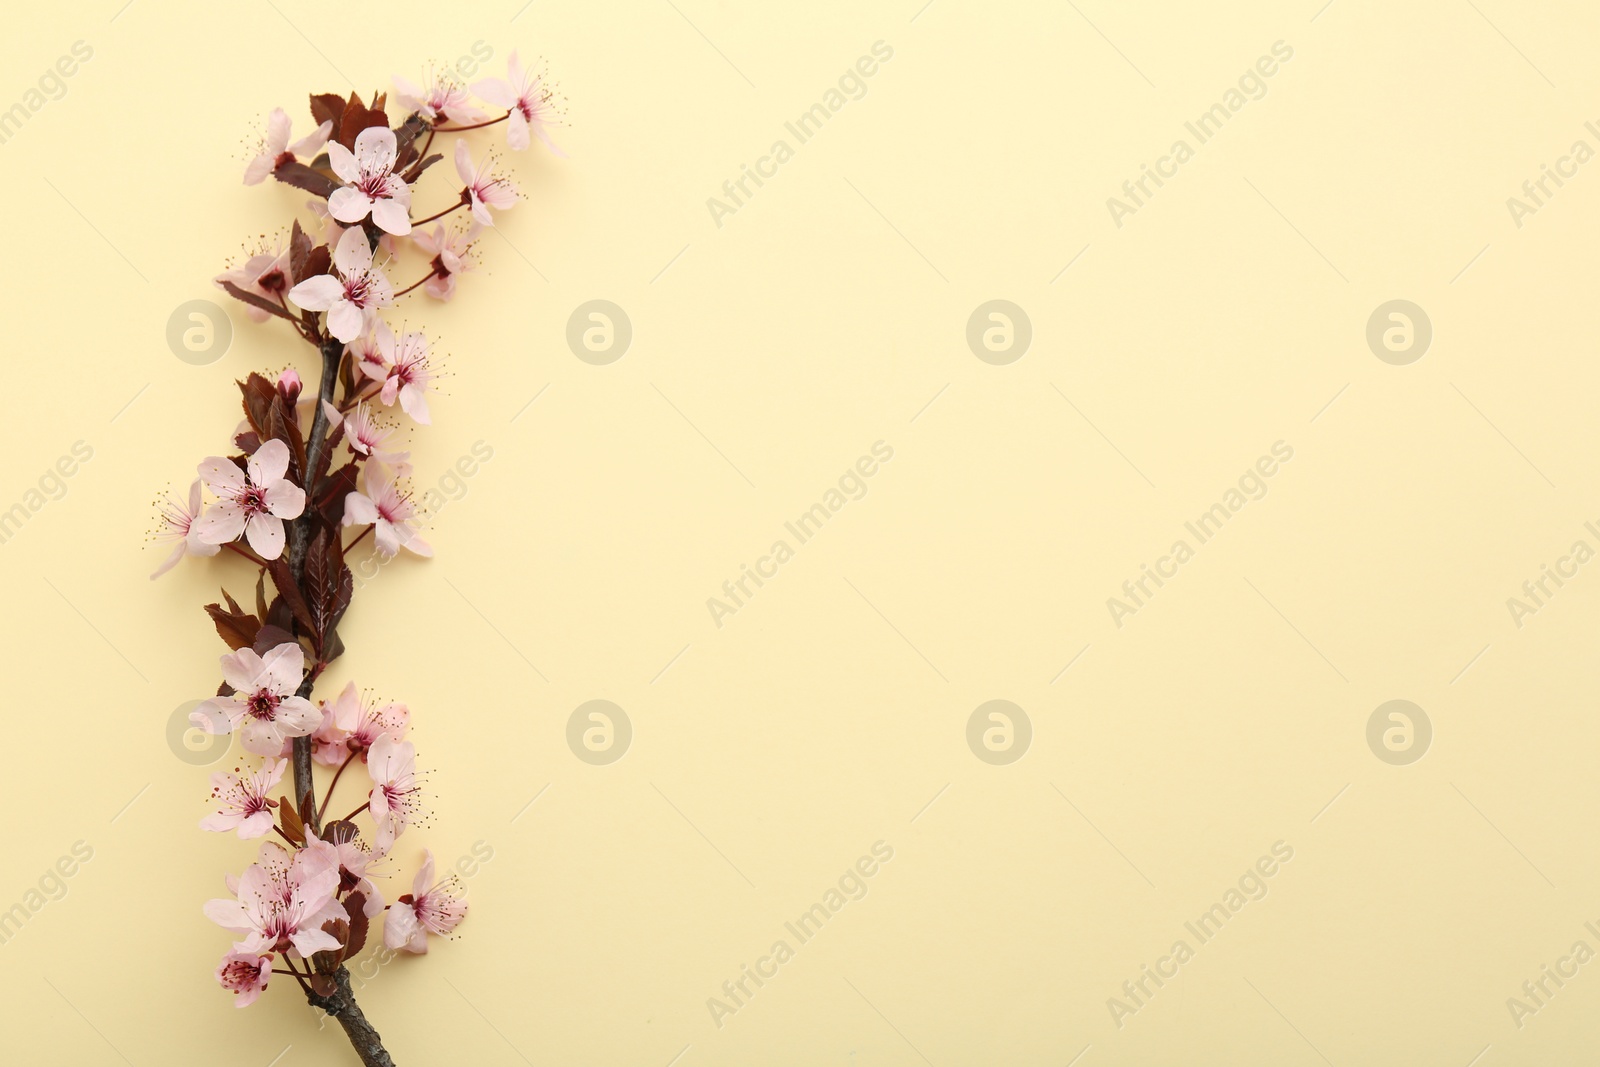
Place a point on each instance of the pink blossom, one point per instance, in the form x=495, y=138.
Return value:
x=396, y=797
x=358, y=289
x=524, y=96
x=428, y=908
x=242, y=800
x=444, y=96
x=177, y=524
x=484, y=189
x=279, y=908
x=253, y=502
x=352, y=861
x=371, y=187
x=449, y=250
x=365, y=437
x=389, y=511
x=263, y=707
x=245, y=975
x=265, y=274
x=361, y=723
x=276, y=149
x=407, y=373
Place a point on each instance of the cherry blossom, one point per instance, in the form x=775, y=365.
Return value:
x=265, y=274
x=177, y=524
x=359, y=287
x=372, y=186
x=242, y=799
x=390, y=513
x=484, y=189
x=357, y=724
x=263, y=707
x=365, y=437
x=524, y=96
x=396, y=797
x=352, y=861
x=428, y=908
x=405, y=373
x=245, y=975
x=276, y=149
x=254, y=501
x=444, y=97
x=449, y=251
x=275, y=912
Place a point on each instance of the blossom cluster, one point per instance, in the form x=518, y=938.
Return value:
x=309, y=477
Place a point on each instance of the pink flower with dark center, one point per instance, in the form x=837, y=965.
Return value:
x=276, y=912
x=276, y=149
x=371, y=186
x=389, y=512
x=245, y=975
x=396, y=797
x=524, y=96
x=484, y=189
x=241, y=798
x=254, y=501
x=403, y=369
x=348, y=297
x=449, y=250
x=263, y=707
x=444, y=96
x=177, y=524
x=427, y=909
x=265, y=274
x=351, y=725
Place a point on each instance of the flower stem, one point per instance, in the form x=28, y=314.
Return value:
x=329, y=795
x=439, y=215
x=477, y=126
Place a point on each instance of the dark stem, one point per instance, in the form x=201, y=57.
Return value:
x=343, y=1007
x=477, y=126
x=329, y=795
x=466, y=198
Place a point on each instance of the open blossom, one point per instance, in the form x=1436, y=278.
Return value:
x=241, y=800
x=365, y=437
x=448, y=250
x=358, y=289
x=281, y=908
x=265, y=274
x=254, y=501
x=263, y=707
x=277, y=150
x=351, y=725
x=396, y=797
x=402, y=367
x=245, y=975
x=523, y=95
x=177, y=524
x=483, y=188
x=371, y=186
x=444, y=97
x=390, y=513
x=428, y=908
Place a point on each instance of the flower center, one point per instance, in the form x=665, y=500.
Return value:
x=253, y=498
x=263, y=704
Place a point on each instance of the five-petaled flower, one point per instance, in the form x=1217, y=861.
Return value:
x=351, y=725
x=241, y=798
x=444, y=96
x=254, y=501
x=450, y=251
x=523, y=95
x=402, y=367
x=371, y=186
x=358, y=289
x=263, y=707
x=428, y=908
x=484, y=190
x=282, y=905
x=277, y=150
x=396, y=797
x=388, y=511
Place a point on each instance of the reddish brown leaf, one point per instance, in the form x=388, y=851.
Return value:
x=237, y=628
x=293, y=828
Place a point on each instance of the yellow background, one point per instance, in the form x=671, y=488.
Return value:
x=768, y=354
